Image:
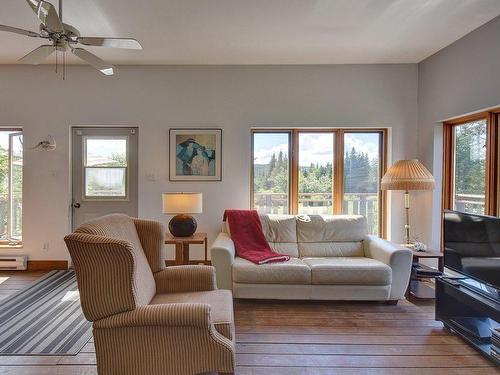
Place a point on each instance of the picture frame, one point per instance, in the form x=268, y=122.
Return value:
x=195, y=154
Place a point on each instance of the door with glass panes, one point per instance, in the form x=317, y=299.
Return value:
x=104, y=172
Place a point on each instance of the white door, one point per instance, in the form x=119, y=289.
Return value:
x=104, y=172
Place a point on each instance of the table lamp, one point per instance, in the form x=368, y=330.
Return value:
x=181, y=205
x=407, y=175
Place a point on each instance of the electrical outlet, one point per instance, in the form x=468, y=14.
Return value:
x=46, y=246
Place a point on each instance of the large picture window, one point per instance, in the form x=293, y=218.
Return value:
x=11, y=186
x=471, y=164
x=320, y=171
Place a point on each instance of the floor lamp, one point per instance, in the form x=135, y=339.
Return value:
x=407, y=175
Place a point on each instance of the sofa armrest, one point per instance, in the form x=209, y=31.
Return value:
x=190, y=278
x=222, y=254
x=174, y=314
x=396, y=257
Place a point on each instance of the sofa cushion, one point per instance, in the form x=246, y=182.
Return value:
x=287, y=248
x=220, y=301
x=348, y=271
x=331, y=249
x=331, y=228
x=279, y=228
x=294, y=271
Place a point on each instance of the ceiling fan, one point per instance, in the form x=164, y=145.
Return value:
x=65, y=38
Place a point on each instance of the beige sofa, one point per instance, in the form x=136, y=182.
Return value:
x=332, y=258
x=148, y=319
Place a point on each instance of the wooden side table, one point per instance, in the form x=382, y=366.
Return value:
x=182, y=247
x=416, y=287
x=429, y=254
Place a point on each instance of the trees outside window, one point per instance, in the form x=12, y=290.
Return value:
x=470, y=167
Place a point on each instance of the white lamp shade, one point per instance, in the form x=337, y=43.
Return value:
x=182, y=203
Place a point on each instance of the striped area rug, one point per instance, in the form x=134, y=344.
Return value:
x=44, y=318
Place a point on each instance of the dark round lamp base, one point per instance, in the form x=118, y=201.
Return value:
x=182, y=225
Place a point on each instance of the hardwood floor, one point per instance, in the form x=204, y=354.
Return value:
x=305, y=338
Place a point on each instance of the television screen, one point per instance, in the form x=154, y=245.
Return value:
x=472, y=246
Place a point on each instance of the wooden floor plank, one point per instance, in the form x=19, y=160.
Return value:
x=355, y=349
x=362, y=371
x=361, y=361
x=305, y=330
x=48, y=370
x=334, y=322
x=242, y=315
x=14, y=360
x=346, y=339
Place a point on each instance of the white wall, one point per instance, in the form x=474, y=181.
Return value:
x=462, y=78
x=234, y=98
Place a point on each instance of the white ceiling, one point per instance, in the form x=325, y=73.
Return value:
x=260, y=31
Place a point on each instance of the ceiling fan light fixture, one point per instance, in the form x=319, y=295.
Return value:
x=64, y=38
x=107, y=71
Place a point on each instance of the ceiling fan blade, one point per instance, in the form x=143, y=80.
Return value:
x=47, y=14
x=18, y=31
x=101, y=65
x=127, y=43
x=39, y=54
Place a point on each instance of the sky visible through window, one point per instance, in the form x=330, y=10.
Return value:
x=312, y=147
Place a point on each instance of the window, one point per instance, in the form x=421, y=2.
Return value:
x=362, y=174
x=316, y=158
x=271, y=171
x=319, y=171
x=470, y=166
x=105, y=167
x=469, y=174
x=11, y=186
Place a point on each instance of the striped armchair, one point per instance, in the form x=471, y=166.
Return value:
x=148, y=319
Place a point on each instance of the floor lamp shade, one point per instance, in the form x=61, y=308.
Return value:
x=407, y=175
x=181, y=205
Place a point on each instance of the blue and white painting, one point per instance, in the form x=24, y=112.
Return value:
x=197, y=154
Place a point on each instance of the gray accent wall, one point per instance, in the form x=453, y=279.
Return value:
x=460, y=79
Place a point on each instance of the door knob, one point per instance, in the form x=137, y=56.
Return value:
x=76, y=205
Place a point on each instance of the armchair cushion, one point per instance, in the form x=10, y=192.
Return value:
x=185, y=279
x=220, y=301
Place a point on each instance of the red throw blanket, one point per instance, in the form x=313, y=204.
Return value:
x=248, y=237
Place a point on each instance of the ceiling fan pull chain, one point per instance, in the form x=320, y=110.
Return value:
x=64, y=66
x=56, y=60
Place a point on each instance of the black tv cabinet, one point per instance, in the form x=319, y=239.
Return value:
x=456, y=303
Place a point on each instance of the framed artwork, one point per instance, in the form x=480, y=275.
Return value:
x=195, y=154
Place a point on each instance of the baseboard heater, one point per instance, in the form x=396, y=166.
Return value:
x=11, y=263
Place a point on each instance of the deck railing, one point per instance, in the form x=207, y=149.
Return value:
x=470, y=203
x=365, y=204
x=16, y=217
